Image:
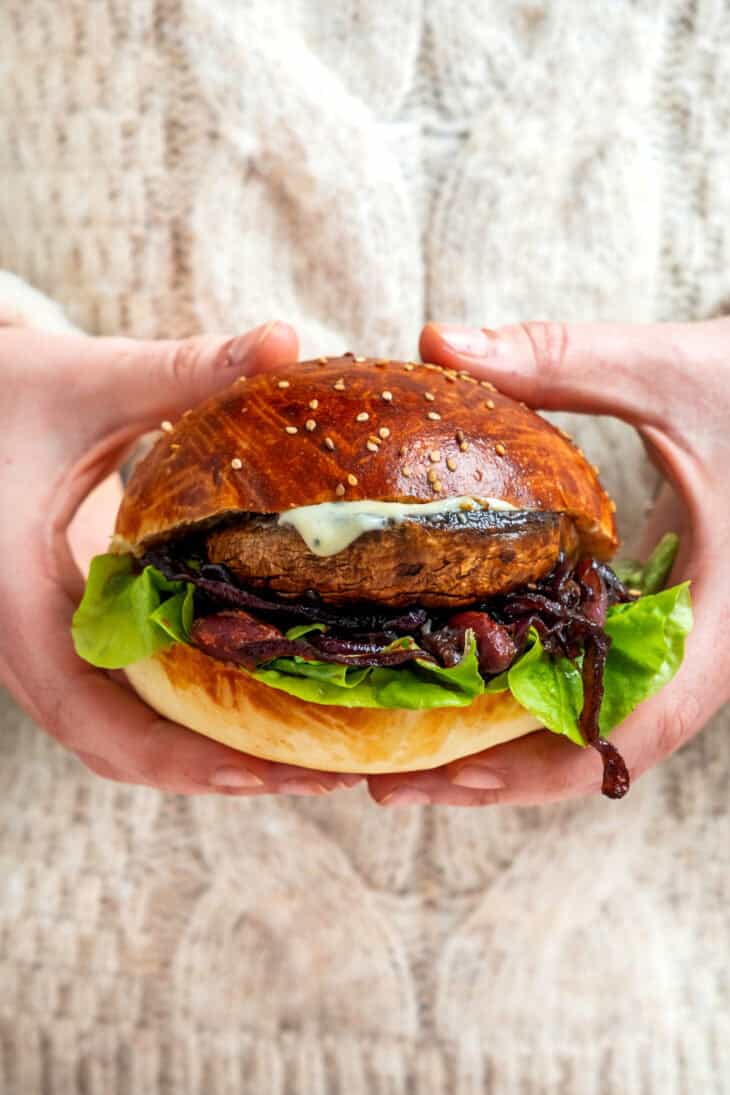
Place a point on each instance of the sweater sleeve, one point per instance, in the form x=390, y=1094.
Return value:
x=23, y=306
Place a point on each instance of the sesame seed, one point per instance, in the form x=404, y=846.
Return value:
x=362, y=416
x=384, y=432
x=387, y=396
x=434, y=456
x=469, y=378
x=375, y=440
x=409, y=367
x=430, y=365
x=489, y=404
x=500, y=449
x=451, y=463
x=381, y=362
x=339, y=385
x=463, y=374
x=406, y=472
x=236, y=464
x=190, y=409
x=329, y=443
x=596, y=469
x=174, y=447
x=478, y=474
x=429, y=396
x=371, y=445
x=339, y=490
x=166, y=426
x=487, y=385
x=450, y=374
x=432, y=475
x=282, y=384
x=322, y=360
x=359, y=360
x=464, y=446
x=313, y=404
x=612, y=505
x=434, y=416
x=352, y=480
x=403, y=450
x=310, y=425
x=459, y=435
x=291, y=429
x=436, y=486
x=466, y=505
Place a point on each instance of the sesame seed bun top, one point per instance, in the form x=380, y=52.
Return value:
x=353, y=429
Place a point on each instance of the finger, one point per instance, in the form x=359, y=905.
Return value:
x=88, y=533
x=635, y=372
x=88, y=712
x=425, y=788
x=123, y=387
x=101, y=767
x=545, y=767
x=669, y=514
x=149, y=381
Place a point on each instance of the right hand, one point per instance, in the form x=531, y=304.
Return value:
x=670, y=382
x=71, y=407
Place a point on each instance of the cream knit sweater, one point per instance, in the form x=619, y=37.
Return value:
x=355, y=167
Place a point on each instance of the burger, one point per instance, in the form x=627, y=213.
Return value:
x=366, y=565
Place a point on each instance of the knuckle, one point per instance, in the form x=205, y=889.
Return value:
x=549, y=343
x=676, y=724
x=101, y=767
x=190, y=359
x=155, y=763
x=59, y=720
x=182, y=360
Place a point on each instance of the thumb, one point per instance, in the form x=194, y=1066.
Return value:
x=149, y=381
x=627, y=370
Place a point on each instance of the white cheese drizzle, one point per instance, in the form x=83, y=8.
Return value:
x=330, y=527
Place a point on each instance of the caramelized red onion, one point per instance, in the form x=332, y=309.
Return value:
x=567, y=608
x=235, y=636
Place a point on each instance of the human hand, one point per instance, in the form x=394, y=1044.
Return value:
x=72, y=405
x=669, y=381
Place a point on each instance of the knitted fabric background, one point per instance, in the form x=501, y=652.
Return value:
x=355, y=168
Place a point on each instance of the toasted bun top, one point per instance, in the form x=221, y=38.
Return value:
x=352, y=429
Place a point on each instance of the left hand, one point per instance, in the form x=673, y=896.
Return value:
x=71, y=406
x=671, y=382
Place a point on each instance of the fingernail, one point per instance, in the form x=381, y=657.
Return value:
x=242, y=347
x=235, y=777
x=344, y=780
x=302, y=787
x=470, y=341
x=477, y=777
x=264, y=332
x=405, y=796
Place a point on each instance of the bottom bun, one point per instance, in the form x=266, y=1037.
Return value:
x=223, y=702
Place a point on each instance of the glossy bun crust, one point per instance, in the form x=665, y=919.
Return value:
x=350, y=429
x=224, y=703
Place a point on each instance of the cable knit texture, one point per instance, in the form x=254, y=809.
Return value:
x=357, y=167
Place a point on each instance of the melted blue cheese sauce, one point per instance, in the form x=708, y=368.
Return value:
x=331, y=527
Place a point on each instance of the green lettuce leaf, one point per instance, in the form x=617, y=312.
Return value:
x=647, y=647
x=124, y=616
x=415, y=686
